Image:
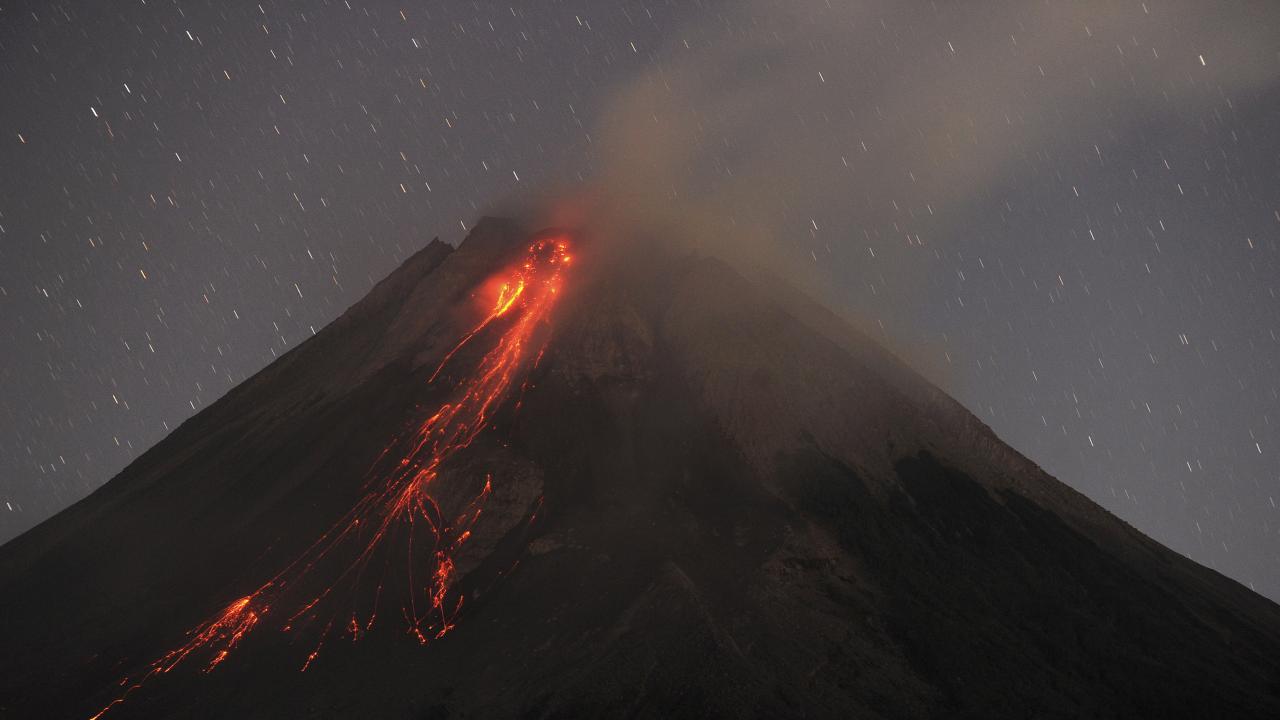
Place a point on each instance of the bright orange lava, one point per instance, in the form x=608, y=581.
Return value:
x=397, y=510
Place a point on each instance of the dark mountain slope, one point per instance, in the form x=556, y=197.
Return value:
x=712, y=498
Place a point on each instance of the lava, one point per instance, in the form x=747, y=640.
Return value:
x=396, y=512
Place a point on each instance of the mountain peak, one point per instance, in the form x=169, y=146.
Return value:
x=509, y=482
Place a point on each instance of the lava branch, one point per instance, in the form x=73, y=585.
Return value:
x=397, y=503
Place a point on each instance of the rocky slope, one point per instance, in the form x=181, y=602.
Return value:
x=710, y=498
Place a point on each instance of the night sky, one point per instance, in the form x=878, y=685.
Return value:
x=1066, y=214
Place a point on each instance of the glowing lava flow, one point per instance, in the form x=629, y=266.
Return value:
x=397, y=509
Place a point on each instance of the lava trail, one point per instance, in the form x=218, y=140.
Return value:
x=396, y=515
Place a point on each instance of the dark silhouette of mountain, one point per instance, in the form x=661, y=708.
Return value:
x=663, y=488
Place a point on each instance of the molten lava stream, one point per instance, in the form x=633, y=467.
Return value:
x=397, y=509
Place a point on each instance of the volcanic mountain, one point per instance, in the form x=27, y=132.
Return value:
x=524, y=479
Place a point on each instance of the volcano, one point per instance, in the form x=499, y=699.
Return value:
x=523, y=479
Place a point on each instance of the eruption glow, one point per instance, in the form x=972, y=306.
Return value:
x=397, y=511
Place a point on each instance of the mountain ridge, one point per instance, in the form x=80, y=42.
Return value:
x=709, y=497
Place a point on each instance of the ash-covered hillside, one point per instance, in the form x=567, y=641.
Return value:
x=523, y=478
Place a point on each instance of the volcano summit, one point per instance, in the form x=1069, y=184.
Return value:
x=518, y=479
